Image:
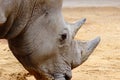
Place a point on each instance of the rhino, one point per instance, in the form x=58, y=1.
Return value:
x=41, y=40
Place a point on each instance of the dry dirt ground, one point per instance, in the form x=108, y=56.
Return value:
x=103, y=64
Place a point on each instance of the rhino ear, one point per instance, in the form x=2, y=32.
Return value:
x=76, y=26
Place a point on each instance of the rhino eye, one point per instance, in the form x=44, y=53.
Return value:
x=63, y=36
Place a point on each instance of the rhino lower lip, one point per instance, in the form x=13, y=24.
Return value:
x=4, y=32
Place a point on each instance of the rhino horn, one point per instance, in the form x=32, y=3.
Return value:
x=76, y=26
x=89, y=48
x=91, y=45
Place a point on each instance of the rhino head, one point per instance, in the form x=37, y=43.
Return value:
x=41, y=40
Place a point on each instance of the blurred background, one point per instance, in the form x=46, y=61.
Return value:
x=78, y=3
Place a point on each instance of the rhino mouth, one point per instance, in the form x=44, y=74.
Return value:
x=58, y=76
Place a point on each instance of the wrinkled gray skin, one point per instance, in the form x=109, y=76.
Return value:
x=41, y=40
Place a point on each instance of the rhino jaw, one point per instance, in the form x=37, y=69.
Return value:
x=89, y=48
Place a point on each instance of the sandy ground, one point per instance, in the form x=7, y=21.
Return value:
x=103, y=64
